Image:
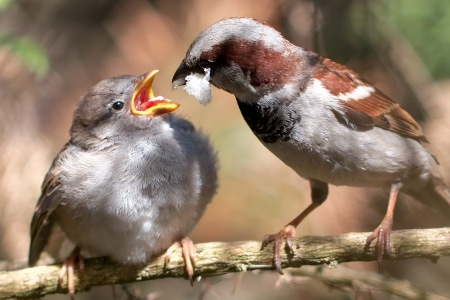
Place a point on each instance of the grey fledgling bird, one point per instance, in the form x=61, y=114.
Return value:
x=319, y=117
x=133, y=180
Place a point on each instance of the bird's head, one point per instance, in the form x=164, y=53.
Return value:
x=242, y=56
x=119, y=106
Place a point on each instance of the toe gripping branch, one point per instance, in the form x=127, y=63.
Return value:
x=287, y=233
x=319, y=193
x=188, y=252
x=68, y=269
x=383, y=232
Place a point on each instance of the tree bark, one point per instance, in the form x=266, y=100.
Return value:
x=220, y=258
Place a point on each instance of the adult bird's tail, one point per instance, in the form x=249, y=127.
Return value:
x=435, y=194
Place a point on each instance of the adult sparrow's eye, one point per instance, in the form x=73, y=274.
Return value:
x=118, y=105
x=204, y=64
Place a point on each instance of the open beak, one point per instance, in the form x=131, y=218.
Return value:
x=144, y=102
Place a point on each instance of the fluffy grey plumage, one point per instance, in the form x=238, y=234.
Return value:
x=125, y=186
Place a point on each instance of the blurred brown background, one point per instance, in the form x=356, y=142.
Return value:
x=52, y=51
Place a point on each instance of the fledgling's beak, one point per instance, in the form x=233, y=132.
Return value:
x=144, y=102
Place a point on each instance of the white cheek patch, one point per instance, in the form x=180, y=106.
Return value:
x=198, y=85
x=360, y=92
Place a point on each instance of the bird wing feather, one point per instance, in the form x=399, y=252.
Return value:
x=357, y=95
x=42, y=222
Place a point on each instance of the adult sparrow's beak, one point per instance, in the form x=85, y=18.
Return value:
x=144, y=102
x=179, y=78
x=184, y=70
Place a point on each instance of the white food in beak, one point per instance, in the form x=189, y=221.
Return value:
x=198, y=86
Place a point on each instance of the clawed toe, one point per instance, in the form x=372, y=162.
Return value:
x=383, y=232
x=188, y=251
x=68, y=269
x=383, y=244
x=287, y=233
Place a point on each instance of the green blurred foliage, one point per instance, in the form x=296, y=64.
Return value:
x=32, y=55
x=425, y=25
x=4, y=4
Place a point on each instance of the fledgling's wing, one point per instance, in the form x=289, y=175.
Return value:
x=42, y=222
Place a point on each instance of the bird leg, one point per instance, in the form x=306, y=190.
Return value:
x=383, y=232
x=188, y=252
x=319, y=192
x=68, y=268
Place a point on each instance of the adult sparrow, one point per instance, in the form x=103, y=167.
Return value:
x=133, y=179
x=319, y=117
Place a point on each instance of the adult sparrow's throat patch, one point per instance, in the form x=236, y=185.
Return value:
x=144, y=102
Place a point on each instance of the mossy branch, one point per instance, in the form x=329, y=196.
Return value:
x=221, y=258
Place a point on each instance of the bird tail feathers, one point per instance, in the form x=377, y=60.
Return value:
x=436, y=194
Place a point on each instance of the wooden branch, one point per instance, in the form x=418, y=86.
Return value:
x=358, y=282
x=221, y=258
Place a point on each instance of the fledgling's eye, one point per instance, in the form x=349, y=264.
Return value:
x=118, y=105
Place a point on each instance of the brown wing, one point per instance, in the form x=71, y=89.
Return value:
x=355, y=94
x=42, y=222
